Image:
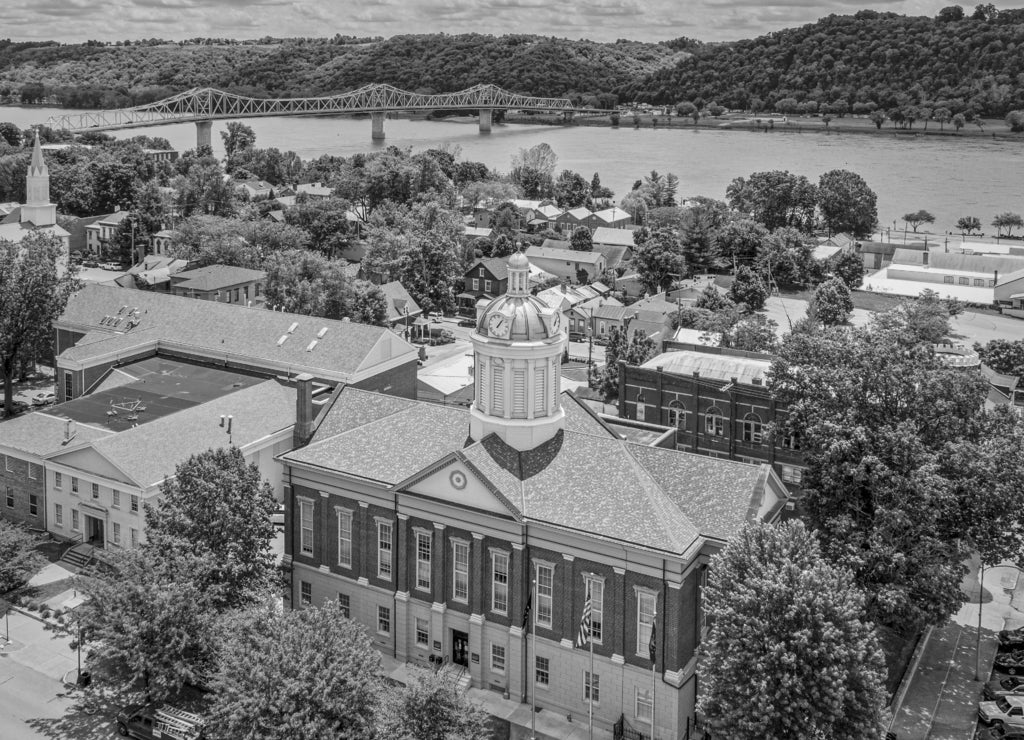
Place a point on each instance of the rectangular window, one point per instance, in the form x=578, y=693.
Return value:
x=979, y=282
x=31, y=471
x=499, y=582
x=947, y=279
x=58, y=481
x=701, y=590
x=74, y=519
x=135, y=537
x=644, y=707
x=714, y=424
x=345, y=605
x=115, y=499
x=58, y=515
x=752, y=431
x=384, y=550
x=74, y=485
x=95, y=490
x=498, y=407
x=423, y=560
x=135, y=504
x=518, y=394
x=306, y=527
x=345, y=538
x=384, y=619
x=592, y=687
x=540, y=392
x=422, y=632
x=792, y=474
x=645, y=605
x=545, y=592
x=305, y=593
x=68, y=387
x=476, y=284
x=10, y=497
x=7, y=464
x=487, y=286
x=543, y=670
x=596, y=609
x=497, y=658
x=964, y=281
x=117, y=533
x=33, y=504
x=460, y=567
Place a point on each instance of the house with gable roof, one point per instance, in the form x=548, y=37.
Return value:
x=471, y=538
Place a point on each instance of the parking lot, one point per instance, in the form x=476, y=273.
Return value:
x=37, y=388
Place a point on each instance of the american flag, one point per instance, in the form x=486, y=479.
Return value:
x=584, y=636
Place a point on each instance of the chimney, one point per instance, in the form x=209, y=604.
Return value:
x=303, y=410
x=69, y=430
x=995, y=277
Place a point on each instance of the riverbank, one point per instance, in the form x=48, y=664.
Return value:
x=992, y=128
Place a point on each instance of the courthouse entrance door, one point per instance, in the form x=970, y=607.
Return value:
x=460, y=648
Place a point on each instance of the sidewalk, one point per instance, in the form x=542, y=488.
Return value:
x=941, y=702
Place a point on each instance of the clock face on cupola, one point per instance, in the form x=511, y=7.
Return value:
x=517, y=347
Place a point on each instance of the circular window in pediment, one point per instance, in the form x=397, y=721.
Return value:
x=458, y=479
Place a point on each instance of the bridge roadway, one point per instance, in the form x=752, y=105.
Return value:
x=205, y=105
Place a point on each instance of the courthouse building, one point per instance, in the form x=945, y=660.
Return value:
x=435, y=527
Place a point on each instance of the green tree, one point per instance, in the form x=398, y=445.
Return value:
x=10, y=133
x=237, y=137
x=741, y=240
x=942, y=116
x=847, y=204
x=32, y=295
x=923, y=320
x=959, y=121
x=502, y=246
x=849, y=267
x=917, y=218
x=786, y=259
x=775, y=199
x=878, y=118
x=968, y=224
x=308, y=673
x=128, y=241
x=832, y=302
x=699, y=230
x=369, y=304
x=748, y=288
x=1005, y=356
x=326, y=221
x=571, y=190
x=430, y=707
x=305, y=282
x=204, y=191
x=219, y=507
x=782, y=616
x=19, y=558
x=633, y=350
x=1015, y=120
x=582, y=240
x=754, y=332
x=1008, y=221
x=659, y=259
x=712, y=300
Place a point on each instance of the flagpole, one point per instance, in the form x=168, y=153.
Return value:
x=591, y=641
x=533, y=664
x=654, y=671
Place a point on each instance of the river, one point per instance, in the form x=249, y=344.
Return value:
x=948, y=177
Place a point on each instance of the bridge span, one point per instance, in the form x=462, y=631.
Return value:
x=205, y=105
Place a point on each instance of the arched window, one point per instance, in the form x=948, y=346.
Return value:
x=791, y=441
x=676, y=415
x=714, y=422
x=752, y=428
x=641, y=409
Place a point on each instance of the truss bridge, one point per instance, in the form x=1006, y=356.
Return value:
x=205, y=105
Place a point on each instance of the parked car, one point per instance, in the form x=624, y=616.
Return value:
x=1012, y=663
x=1012, y=686
x=999, y=733
x=90, y=263
x=467, y=322
x=44, y=398
x=1011, y=638
x=149, y=722
x=1007, y=711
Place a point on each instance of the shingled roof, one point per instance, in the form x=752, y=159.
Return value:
x=346, y=351
x=584, y=479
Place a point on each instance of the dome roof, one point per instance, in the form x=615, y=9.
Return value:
x=518, y=261
x=523, y=315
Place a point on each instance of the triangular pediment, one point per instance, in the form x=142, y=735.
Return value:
x=456, y=481
x=88, y=460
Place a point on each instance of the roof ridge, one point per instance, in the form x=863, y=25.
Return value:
x=660, y=500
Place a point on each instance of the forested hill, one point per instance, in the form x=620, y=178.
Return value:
x=96, y=75
x=963, y=63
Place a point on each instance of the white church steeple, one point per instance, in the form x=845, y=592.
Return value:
x=517, y=349
x=38, y=210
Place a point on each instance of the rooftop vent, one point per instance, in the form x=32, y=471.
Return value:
x=293, y=327
x=311, y=345
x=320, y=334
x=122, y=310
x=282, y=340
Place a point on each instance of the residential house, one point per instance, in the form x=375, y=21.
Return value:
x=876, y=255
x=615, y=237
x=314, y=190
x=595, y=317
x=100, y=231
x=614, y=255
x=160, y=242
x=485, y=279
x=448, y=382
x=402, y=309
x=152, y=273
x=435, y=527
x=1008, y=293
x=223, y=283
x=718, y=401
x=255, y=189
x=471, y=233
x=161, y=155
x=613, y=218
x=103, y=327
x=567, y=263
x=573, y=219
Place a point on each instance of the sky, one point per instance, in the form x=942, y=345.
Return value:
x=600, y=20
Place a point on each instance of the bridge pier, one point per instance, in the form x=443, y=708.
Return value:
x=377, y=119
x=204, y=134
x=567, y=117
x=485, y=120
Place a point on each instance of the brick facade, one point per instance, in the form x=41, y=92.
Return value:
x=686, y=401
x=622, y=665
x=23, y=490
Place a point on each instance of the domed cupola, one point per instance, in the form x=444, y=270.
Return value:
x=517, y=348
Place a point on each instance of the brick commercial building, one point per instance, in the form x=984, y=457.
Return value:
x=717, y=401
x=435, y=526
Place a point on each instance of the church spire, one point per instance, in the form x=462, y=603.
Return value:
x=38, y=210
